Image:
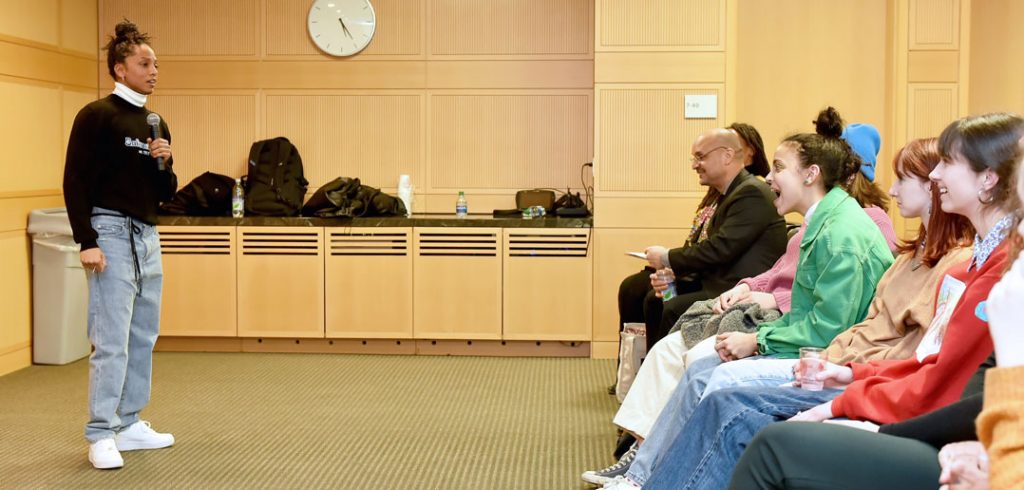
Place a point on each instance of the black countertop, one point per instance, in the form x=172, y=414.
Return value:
x=417, y=221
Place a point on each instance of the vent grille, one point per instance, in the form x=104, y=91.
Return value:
x=570, y=244
x=280, y=243
x=450, y=244
x=195, y=242
x=369, y=243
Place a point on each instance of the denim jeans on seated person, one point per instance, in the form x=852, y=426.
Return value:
x=123, y=323
x=706, y=450
x=695, y=384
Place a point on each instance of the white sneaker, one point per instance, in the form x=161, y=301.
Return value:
x=140, y=436
x=621, y=483
x=103, y=454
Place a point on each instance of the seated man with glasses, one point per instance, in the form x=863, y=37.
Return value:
x=742, y=237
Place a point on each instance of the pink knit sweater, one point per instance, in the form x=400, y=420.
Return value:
x=778, y=281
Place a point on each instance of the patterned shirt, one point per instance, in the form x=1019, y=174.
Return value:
x=995, y=236
x=699, y=231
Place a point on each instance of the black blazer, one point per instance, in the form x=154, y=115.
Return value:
x=745, y=238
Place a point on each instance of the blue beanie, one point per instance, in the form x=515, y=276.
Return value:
x=865, y=141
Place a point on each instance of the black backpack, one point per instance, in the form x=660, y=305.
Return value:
x=275, y=185
x=206, y=195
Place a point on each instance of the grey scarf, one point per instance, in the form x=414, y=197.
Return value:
x=699, y=322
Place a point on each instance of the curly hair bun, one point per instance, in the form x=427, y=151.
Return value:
x=829, y=124
x=125, y=29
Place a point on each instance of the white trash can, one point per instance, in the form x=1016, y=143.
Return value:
x=60, y=292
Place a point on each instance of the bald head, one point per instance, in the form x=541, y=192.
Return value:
x=717, y=157
x=722, y=137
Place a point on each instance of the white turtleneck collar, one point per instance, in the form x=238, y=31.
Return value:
x=134, y=98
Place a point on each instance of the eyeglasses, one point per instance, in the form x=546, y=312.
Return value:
x=700, y=157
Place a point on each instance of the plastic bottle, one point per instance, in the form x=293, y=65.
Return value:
x=461, y=208
x=237, y=200
x=405, y=193
x=669, y=292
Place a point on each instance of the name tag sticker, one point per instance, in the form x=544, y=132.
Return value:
x=980, y=311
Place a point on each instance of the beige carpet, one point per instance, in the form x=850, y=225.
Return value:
x=324, y=421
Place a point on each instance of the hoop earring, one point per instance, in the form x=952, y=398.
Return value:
x=990, y=199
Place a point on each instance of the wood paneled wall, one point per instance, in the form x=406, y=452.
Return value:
x=996, y=54
x=485, y=97
x=47, y=73
x=931, y=66
x=795, y=57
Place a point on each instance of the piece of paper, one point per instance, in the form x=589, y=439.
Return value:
x=639, y=255
x=949, y=295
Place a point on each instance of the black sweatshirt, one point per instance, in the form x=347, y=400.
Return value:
x=108, y=165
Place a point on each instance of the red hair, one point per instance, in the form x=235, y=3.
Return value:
x=945, y=231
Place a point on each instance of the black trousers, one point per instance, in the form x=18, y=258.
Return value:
x=638, y=304
x=816, y=455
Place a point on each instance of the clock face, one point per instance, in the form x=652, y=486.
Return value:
x=341, y=27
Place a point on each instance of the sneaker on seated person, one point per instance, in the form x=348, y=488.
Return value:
x=620, y=482
x=605, y=475
x=141, y=436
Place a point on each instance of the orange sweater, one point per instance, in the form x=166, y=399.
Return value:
x=1001, y=427
x=899, y=315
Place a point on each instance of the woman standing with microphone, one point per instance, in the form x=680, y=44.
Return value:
x=118, y=170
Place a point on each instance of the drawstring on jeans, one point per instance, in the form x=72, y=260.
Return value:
x=133, y=229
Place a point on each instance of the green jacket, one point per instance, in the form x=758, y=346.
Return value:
x=842, y=257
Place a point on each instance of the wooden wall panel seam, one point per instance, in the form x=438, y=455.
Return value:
x=57, y=49
x=30, y=63
x=30, y=193
x=15, y=347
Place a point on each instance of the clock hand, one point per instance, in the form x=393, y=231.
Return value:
x=344, y=28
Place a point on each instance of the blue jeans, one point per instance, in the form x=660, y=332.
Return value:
x=696, y=383
x=124, y=320
x=705, y=452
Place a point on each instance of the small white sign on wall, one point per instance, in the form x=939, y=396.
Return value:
x=700, y=107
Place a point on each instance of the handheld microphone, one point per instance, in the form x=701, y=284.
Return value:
x=153, y=120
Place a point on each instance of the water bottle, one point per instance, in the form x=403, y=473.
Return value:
x=237, y=200
x=670, y=291
x=461, y=209
x=405, y=193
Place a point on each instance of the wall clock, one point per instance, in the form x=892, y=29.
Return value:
x=341, y=27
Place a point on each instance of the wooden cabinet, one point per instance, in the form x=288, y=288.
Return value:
x=199, y=294
x=368, y=273
x=426, y=283
x=281, y=282
x=547, y=284
x=457, y=283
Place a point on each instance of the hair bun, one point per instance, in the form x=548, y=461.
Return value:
x=829, y=124
x=125, y=29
